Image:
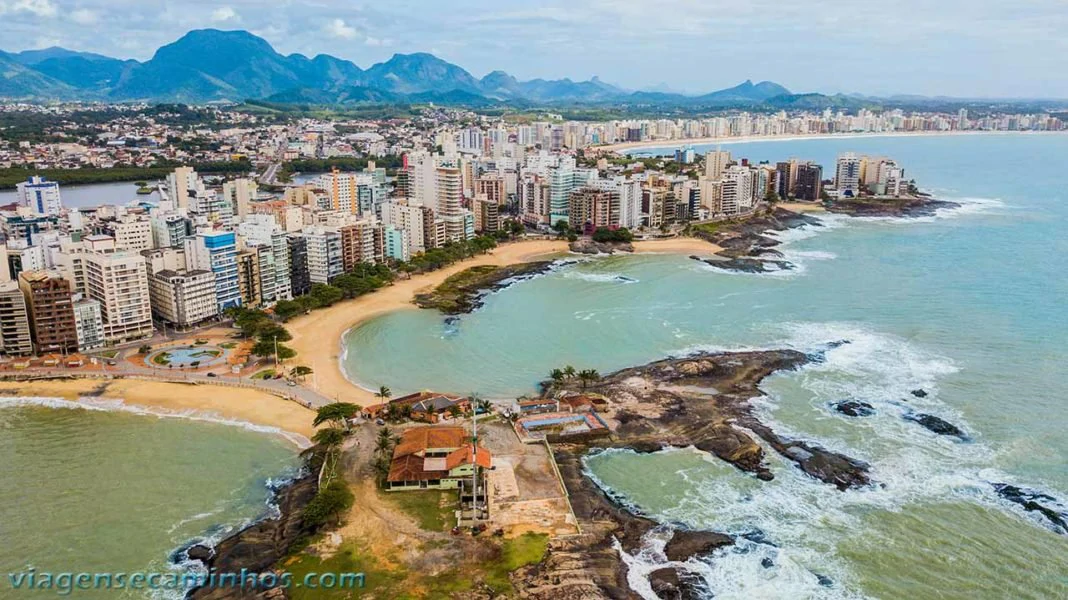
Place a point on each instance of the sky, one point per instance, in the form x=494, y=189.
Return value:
x=962, y=48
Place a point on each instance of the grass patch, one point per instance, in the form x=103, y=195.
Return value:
x=228, y=345
x=264, y=374
x=432, y=510
x=350, y=558
x=200, y=342
x=527, y=549
x=162, y=359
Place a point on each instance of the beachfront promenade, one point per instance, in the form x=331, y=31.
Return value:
x=276, y=387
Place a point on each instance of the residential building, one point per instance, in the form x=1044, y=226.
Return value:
x=435, y=458
x=89, y=323
x=847, y=175
x=398, y=243
x=41, y=195
x=299, y=275
x=809, y=182
x=323, y=254
x=183, y=298
x=216, y=251
x=51, y=310
x=239, y=193
x=590, y=208
x=16, y=339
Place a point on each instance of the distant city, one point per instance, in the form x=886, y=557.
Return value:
x=281, y=207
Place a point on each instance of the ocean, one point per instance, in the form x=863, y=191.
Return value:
x=110, y=490
x=968, y=305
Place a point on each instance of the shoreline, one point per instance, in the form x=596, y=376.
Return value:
x=242, y=407
x=317, y=337
x=672, y=144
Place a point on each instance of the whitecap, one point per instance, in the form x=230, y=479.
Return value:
x=117, y=405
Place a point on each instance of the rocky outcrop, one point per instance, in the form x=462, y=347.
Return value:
x=854, y=408
x=588, y=246
x=909, y=206
x=671, y=583
x=745, y=248
x=260, y=547
x=465, y=291
x=685, y=544
x=936, y=425
x=1035, y=501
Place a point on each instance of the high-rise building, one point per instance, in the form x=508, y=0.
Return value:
x=89, y=322
x=240, y=193
x=41, y=195
x=169, y=229
x=809, y=182
x=51, y=309
x=216, y=252
x=847, y=175
x=716, y=163
x=487, y=214
x=408, y=218
x=323, y=254
x=450, y=203
x=492, y=187
x=299, y=276
x=183, y=298
x=131, y=233
x=180, y=183
x=591, y=208
x=361, y=242
x=15, y=336
x=737, y=192
x=397, y=243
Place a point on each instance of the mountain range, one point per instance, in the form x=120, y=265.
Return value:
x=210, y=65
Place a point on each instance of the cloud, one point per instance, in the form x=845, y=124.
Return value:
x=373, y=41
x=337, y=28
x=84, y=16
x=40, y=8
x=224, y=13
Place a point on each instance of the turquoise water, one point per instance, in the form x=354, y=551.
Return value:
x=109, y=491
x=968, y=304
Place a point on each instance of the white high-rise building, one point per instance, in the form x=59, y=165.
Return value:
x=450, y=203
x=118, y=280
x=89, y=323
x=179, y=183
x=847, y=175
x=324, y=253
x=737, y=190
x=41, y=195
x=408, y=218
x=240, y=193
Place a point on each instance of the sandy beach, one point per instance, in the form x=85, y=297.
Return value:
x=317, y=336
x=653, y=144
x=207, y=401
x=802, y=207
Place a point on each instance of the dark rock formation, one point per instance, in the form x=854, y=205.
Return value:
x=911, y=206
x=259, y=547
x=920, y=393
x=685, y=544
x=199, y=552
x=588, y=246
x=670, y=583
x=745, y=248
x=1035, y=501
x=854, y=408
x=465, y=291
x=767, y=563
x=936, y=424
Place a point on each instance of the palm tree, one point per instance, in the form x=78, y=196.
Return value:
x=301, y=371
x=385, y=441
x=557, y=376
x=569, y=372
x=383, y=393
x=330, y=437
x=588, y=376
x=338, y=412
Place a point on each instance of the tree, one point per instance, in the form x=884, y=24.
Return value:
x=272, y=332
x=266, y=348
x=482, y=406
x=325, y=294
x=588, y=376
x=383, y=392
x=771, y=197
x=300, y=371
x=569, y=372
x=385, y=441
x=287, y=309
x=329, y=437
x=337, y=412
x=145, y=349
x=561, y=228
x=557, y=376
x=329, y=503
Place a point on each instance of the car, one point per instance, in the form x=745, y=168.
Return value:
x=291, y=383
x=212, y=375
x=379, y=422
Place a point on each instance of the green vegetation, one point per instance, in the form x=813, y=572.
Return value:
x=228, y=345
x=328, y=504
x=527, y=549
x=341, y=163
x=264, y=374
x=11, y=176
x=432, y=510
x=338, y=413
x=604, y=234
x=459, y=293
x=162, y=359
x=350, y=558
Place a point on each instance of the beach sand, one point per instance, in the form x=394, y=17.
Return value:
x=317, y=336
x=802, y=207
x=225, y=402
x=679, y=245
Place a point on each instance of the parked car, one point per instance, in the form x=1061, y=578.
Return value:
x=212, y=375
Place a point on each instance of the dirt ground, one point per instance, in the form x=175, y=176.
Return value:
x=525, y=494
